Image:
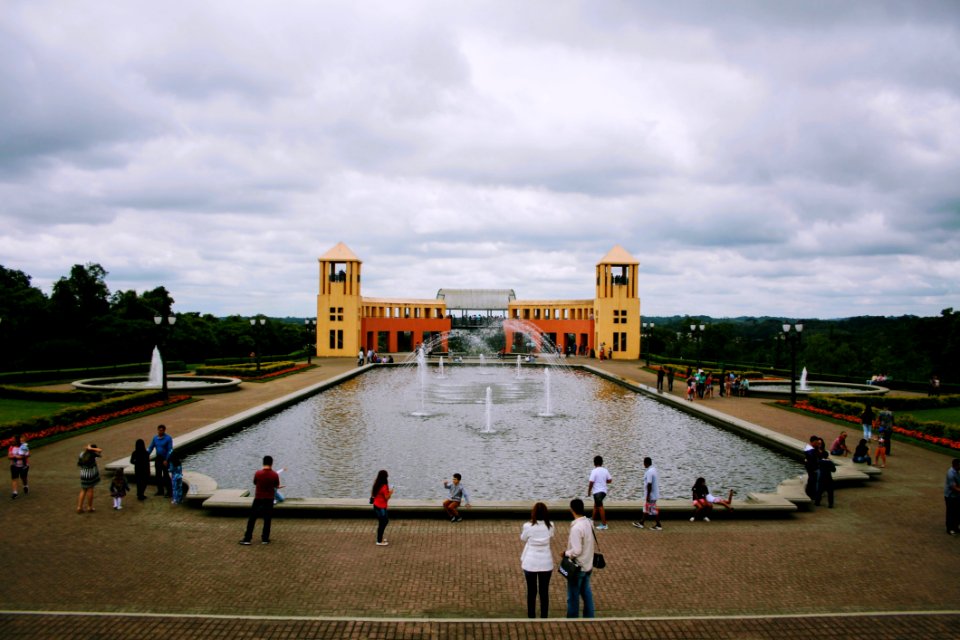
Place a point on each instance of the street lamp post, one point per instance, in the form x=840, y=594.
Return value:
x=256, y=323
x=647, y=332
x=697, y=331
x=164, y=322
x=793, y=337
x=310, y=326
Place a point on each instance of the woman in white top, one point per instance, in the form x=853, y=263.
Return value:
x=537, y=559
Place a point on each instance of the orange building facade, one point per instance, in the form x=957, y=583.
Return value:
x=348, y=323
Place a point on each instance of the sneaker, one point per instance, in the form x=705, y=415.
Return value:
x=26, y=489
x=14, y=496
x=264, y=542
x=694, y=520
x=638, y=525
x=245, y=543
x=601, y=527
x=379, y=544
x=453, y=519
x=706, y=519
x=658, y=528
x=119, y=507
x=458, y=519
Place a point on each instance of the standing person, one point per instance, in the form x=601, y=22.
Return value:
x=825, y=476
x=811, y=462
x=140, y=460
x=886, y=427
x=536, y=559
x=580, y=546
x=866, y=420
x=163, y=444
x=597, y=487
x=670, y=375
x=360, y=358
x=19, y=467
x=89, y=476
x=175, y=467
x=266, y=482
x=651, y=484
x=380, y=496
x=458, y=494
x=118, y=488
x=660, y=375
x=934, y=389
x=951, y=496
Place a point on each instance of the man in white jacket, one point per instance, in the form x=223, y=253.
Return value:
x=580, y=546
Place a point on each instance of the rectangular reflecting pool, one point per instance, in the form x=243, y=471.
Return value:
x=534, y=439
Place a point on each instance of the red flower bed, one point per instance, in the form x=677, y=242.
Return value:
x=803, y=405
x=282, y=372
x=30, y=436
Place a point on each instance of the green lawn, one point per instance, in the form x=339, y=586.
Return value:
x=948, y=415
x=11, y=410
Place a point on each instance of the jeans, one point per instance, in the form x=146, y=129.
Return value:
x=163, y=476
x=577, y=588
x=262, y=508
x=382, y=522
x=953, y=513
x=867, y=432
x=538, y=581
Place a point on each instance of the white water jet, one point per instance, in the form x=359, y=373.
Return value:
x=483, y=360
x=519, y=374
x=441, y=366
x=155, y=378
x=803, y=380
x=488, y=428
x=422, y=372
x=547, y=401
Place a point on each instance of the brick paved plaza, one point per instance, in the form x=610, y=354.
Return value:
x=864, y=569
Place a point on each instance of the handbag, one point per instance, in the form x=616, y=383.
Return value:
x=598, y=560
x=568, y=567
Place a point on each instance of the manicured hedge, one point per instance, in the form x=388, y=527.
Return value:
x=680, y=370
x=940, y=433
x=226, y=362
x=48, y=375
x=50, y=395
x=246, y=370
x=72, y=415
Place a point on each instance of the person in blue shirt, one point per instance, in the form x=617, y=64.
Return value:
x=163, y=444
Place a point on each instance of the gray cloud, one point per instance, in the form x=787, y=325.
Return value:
x=757, y=158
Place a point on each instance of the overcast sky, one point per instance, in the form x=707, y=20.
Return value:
x=758, y=158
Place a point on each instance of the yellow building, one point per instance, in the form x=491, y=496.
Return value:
x=348, y=323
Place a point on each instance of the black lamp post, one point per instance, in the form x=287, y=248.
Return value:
x=310, y=326
x=256, y=323
x=793, y=337
x=164, y=322
x=697, y=331
x=647, y=332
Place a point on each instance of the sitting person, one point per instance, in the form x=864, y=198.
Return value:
x=458, y=494
x=703, y=500
x=861, y=454
x=839, y=446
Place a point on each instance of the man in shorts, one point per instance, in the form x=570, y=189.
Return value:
x=597, y=487
x=19, y=467
x=651, y=484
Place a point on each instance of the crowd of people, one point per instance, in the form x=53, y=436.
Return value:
x=701, y=384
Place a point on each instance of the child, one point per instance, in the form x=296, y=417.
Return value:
x=880, y=454
x=277, y=496
x=118, y=488
x=175, y=469
x=458, y=493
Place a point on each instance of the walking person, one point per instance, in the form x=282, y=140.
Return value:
x=458, y=494
x=825, y=477
x=266, y=481
x=597, y=487
x=89, y=476
x=19, y=456
x=580, y=547
x=886, y=427
x=140, y=460
x=660, y=376
x=163, y=445
x=866, y=420
x=951, y=497
x=380, y=496
x=537, y=560
x=670, y=375
x=811, y=462
x=651, y=484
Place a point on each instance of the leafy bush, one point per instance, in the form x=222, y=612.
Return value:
x=246, y=370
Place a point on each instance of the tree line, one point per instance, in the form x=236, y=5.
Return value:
x=82, y=323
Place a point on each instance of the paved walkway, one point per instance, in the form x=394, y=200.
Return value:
x=153, y=569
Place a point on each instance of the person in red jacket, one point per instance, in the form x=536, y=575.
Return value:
x=266, y=481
